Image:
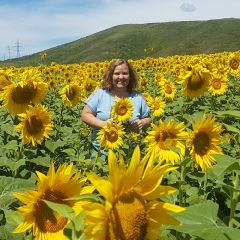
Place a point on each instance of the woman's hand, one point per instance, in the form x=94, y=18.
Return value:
x=141, y=124
x=137, y=124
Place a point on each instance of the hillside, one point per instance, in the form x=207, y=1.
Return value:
x=129, y=41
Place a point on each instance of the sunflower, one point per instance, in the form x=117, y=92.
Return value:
x=143, y=83
x=19, y=95
x=134, y=136
x=110, y=135
x=131, y=210
x=71, y=94
x=89, y=86
x=35, y=124
x=204, y=141
x=218, y=84
x=159, y=77
x=5, y=78
x=168, y=89
x=122, y=110
x=178, y=73
x=228, y=137
x=146, y=95
x=55, y=187
x=43, y=56
x=52, y=83
x=164, y=137
x=157, y=106
x=221, y=69
x=196, y=81
x=234, y=61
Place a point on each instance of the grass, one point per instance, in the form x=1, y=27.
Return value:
x=129, y=41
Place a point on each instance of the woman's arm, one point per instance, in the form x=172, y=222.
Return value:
x=146, y=122
x=89, y=118
x=143, y=123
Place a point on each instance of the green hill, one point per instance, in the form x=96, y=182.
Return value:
x=129, y=41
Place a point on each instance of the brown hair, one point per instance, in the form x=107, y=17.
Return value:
x=107, y=76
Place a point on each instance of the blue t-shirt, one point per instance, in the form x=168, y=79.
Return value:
x=101, y=101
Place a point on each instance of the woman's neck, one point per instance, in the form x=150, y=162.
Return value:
x=119, y=94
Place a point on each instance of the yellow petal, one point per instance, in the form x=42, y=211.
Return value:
x=23, y=227
x=104, y=187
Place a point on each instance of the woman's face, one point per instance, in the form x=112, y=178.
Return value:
x=121, y=77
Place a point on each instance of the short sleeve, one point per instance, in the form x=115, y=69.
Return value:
x=145, y=110
x=140, y=107
x=93, y=100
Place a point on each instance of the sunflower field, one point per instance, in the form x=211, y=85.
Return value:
x=179, y=179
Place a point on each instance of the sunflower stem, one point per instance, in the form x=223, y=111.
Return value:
x=182, y=179
x=61, y=115
x=96, y=159
x=213, y=102
x=205, y=185
x=234, y=200
x=74, y=236
x=20, y=155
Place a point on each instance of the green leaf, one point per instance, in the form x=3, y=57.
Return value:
x=6, y=234
x=12, y=164
x=42, y=161
x=229, y=113
x=12, y=218
x=12, y=221
x=12, y=145
x=174, y=149
x=79, y=221
x=70, y=152
x=78, y=226
x=62, y=209
x=201, y=220
x=230, y=188
x=9, y=185
x=52, y=146
x=91, y=197
x=231, y=128
x=9, y=129
x=224, y=163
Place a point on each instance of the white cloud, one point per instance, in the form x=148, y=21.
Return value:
x=186, y=7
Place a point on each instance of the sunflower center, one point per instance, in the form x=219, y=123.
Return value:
x=201, y=143
x=195, y=82
x=234, y=64
x=128, y=218
x=156, y=105
x=23, y=94
x=122, y=110
x=144, y=83
x=52, y=83
x=168, y=89
x=71, y=93
x=165, y=139
x=112, y=135
x=47, y=219
x=4, y=82
x=34, y=125
x=216, y=84
x=88, y=87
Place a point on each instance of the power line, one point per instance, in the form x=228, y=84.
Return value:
x=18, y=48
x=9, y=52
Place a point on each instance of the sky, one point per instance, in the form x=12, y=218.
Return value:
x=29, y=27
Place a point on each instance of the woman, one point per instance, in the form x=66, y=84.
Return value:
x=119, y=81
